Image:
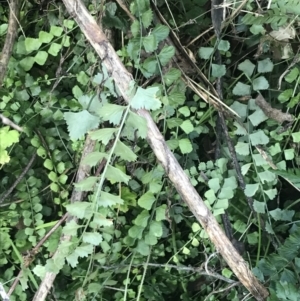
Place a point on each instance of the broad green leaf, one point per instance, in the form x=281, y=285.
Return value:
x=143, y=248
x=150, y=239
x=265, y=65
x=245, y=168
x=196, y=227
x=171, y=76
x=267, y=176
x=259, y=207
x=52, y=176
x=257, y=117
x=146, y=99
x=27, y=63
x=176, y=98
x=103, y=135
x=100, y=221
x=218, y=70
x=285, y=95
x=45, y=37
x=214, y=184
x=93, y=238
x=296, y=137
x=54, y=49
x=87, y=184
x=78, y=129
x=107, y=199
x=160, y=212
x=240, y=108
x=146, y=200
x=259, y=160
x=142, y=219
x=240, y=130
x=139, y=123
x=80, y=209
x=292, y=75
x=71, y=228
x=147, y=17
x=84, y=250
x=149, y=67
x=160, y=32
x=271, y=193
x=41, y=57
x=90, y=103
x=48, y=164
x=124, y=152
x=282, y=215
x=150, y=43
x=289, y=154
x=251, y=189
x=92, y=159
x=135, y=28
x=187, y=126
x=82, y=78
x=136, y=232
x=8, y=137
x=185, y=111
x=185, y=146
x=112, y=113
x=257, y=29
x=116, y=175
x=32, y=44
x=241, y=89
x=205, y=52
x=166, y=54
x=56, y=31
x=259, y=137
x=220, y=204
x=223, y=45
x=226, y=193
x=242, y=148
x=260, y=83
x=247, y=67
x=156, y=228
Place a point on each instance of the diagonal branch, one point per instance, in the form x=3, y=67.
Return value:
x=172, y=168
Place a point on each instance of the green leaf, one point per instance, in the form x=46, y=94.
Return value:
x=292, y=75
x=185, y=146
x=241, y=89
x=296, y=137
x=257, y=117
x=82, y=78
x=205, y=52
x=224, y=45
x=260, y=83
x=139, y=124
x=166, y=54
x=267, y=176
x=171, y=76
x=150, y=43
x=251, y=189
x=160, y=32
x=142, y=219
x=218, y=70
x=92, y=159
x=124, y=152
x=86, y=184
x=156, y=228
x=265, y=65
x=285, y=95
x=80, y=209
x=112, y=113
x=143, y=248
x=93, y=238
x=187, y=126
x=100, y=221
x=136, y=232
x=247, y=67
x=45, y=37
x=54, y=49
x=135, y=28
x=103, y=135
x=289, y=154
x=78, y=129
x=48, y=164
x=160, y=213
x=56, y=31
x=41, y=57
x=259, y=207
x=259, y=137
x=150, y=239
x=71, y=228
x=116, y=175
x=107, y=199
x=8, y=137
x=196, y=227
x=282, y=215
x=271, y=193
x=185, y=111
x=27, y=63
x=146, y=200
x=146, y=18
x=146, y=99
x=214, y=184
x=32, y=44
x=242, y=148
